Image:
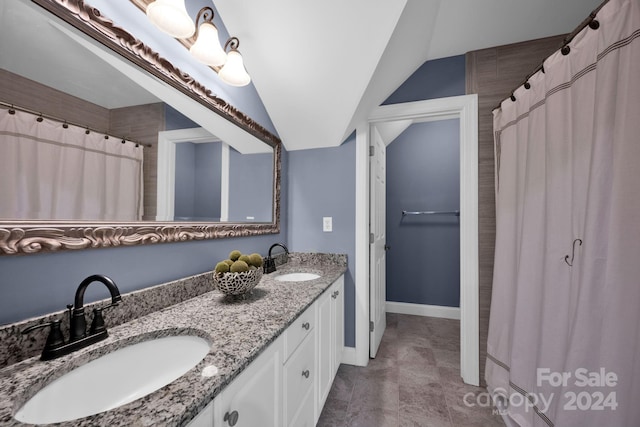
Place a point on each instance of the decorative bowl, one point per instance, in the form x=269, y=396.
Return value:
x=237, y=283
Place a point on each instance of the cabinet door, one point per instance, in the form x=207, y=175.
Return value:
x=255, y=397
x=325, y=348
x=204, y=418
x=299, y=378
x=305, y=416
x=337, y=316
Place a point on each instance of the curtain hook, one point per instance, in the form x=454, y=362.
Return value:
x=11, y=110
x=527, y=85
x=65, y=125
x=40, y=118
x=573, y=252
x=565, y=50
x=87, y=131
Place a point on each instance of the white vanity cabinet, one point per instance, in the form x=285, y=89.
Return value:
x=287, y=385
x=254, y=398
x=330, y=339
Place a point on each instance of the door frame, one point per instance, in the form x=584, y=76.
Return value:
x=464, y=108
x=166, y=179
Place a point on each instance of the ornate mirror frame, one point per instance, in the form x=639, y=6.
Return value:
x=25, y=237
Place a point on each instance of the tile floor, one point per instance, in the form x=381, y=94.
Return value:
x=413, y=381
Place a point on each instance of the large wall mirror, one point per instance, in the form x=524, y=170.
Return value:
x=205, y=171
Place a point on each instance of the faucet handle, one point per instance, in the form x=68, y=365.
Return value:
x=54, y=339
x=97, y=324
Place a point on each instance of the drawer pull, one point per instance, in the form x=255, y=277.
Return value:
x=231, y=418
x=305, y=373
x=306, y=325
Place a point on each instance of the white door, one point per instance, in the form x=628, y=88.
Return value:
x=377, y=292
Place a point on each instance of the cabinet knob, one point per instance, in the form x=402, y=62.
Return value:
x=231, y=418
x=306, y=325
x=305, y=373
x=334, y=295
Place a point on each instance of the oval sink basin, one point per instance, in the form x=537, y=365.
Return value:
x=114, y=379
x=297, y=277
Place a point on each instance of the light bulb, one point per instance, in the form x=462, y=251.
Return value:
x=233, y=71
x=207, y=47
x=171, y=17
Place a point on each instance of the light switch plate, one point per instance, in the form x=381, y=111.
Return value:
x=327, y=224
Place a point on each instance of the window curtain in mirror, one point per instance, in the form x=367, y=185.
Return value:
x=49, y=172
x=566, y=284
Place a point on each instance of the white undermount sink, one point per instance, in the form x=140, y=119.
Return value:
x=114, y=379
x=297, y=277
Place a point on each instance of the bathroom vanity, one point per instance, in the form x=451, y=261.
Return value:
x=287, y=385
x=272, y=358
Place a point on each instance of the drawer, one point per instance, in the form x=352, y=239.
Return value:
x=298, y=330
x=299, y=377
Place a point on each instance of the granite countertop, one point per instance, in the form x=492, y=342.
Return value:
x=238, y=331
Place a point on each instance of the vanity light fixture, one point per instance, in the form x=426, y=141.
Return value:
x=233, y=72
x=171, y=17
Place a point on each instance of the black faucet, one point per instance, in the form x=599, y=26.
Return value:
x=78, y=338
x=269, y=262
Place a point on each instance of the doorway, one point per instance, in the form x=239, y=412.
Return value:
x=465, y=109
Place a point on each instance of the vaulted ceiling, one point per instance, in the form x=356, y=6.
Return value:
x=321, y=67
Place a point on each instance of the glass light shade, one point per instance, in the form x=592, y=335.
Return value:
x=171, y=17
x=233, y=72
x=207, y=47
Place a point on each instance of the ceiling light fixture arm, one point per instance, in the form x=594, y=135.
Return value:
x=233, y=43
x=207, y=14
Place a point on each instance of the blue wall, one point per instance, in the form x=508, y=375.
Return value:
x=423, y=174
x=250, y=186
x=198, y=181
x=322, y=183
x=184, y=194
x=207, y=177
x=434, y=79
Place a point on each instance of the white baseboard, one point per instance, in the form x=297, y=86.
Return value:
x=423, y=310
x=350, y=357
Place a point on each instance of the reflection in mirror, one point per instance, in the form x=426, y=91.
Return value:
x=201, y=178
x=62, y=79
x=98, y=76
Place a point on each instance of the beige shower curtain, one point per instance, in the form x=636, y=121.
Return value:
x=564, y=333
x=49, y=172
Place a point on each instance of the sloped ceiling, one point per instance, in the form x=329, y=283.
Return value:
x=321, y=67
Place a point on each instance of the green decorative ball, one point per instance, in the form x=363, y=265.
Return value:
x=239, y=267
x=255, y=260
x=234, y=255
x=245, y=258
x=228, y=261
x=222, y=267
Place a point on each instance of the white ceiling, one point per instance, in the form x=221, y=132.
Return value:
x=322, y=67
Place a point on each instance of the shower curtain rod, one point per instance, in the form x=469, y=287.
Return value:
x=590, y=21
x=65, y=123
